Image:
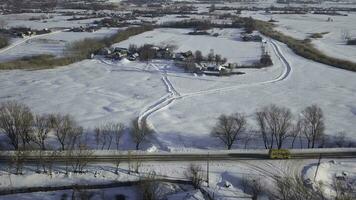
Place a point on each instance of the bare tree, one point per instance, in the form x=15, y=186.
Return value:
x=150, y=187
x=41, y=128
x=140, y=131
x=66, y=130
x=118, y=132
x=15, y=122
x=218, y=59
x=18, y=160
x=147, y=52
x=81, y=158
x=189, y=64
x=198, y=56
x=229, y=128
x=211, y=56
x=312, y=124
x=117, y=162
x=195, y=174
x=132, y=48
x=100, y=141
x=344, y=189
x=108, y=133
x=137, y=164
x=275, y=124
x=252, y=187
x=268, y=137
x=3, y=23
x=103, y=135
x=293, y=188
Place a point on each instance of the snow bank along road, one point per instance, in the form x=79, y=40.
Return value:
x=173, y=94
x=113, y=156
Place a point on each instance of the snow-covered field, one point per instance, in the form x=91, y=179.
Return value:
x=53, y=43
x=302, y=26
x=54, y=21
x=182, y=107
x=228, y=43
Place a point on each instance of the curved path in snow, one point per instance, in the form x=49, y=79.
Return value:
x=167, y=99
x=174, y=95
x=285, y=74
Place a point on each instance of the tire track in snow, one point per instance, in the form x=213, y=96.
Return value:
x=285, y=74
x=173, y=94
x=164, y=101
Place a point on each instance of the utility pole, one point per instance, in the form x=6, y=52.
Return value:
x=207, y=169
x=317, y=168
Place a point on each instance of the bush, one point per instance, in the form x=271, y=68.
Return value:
x=82, y=49
x=195, y=174
x=316, y=35
x=4, y=41
x=351, y=42
x=147, y=52
x=266, y=60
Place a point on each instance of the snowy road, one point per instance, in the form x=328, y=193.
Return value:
x=245, y=154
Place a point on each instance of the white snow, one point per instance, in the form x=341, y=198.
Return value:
x=328, y=171
x=53, y=43
x=228, y=44
x=302, y=26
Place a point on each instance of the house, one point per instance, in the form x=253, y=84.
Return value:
x=164, y=53
x=178, y=56
x=252, y=38
x=133, y=57
x=123, y=52
x=104, y=51
x=187, y=54
x=213, y=67
x=77, y=29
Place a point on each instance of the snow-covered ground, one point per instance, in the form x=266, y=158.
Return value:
x=131, y=193
x=53, y=43
x=54, y=21
x=190, y=119
x=228, y=43
x=302, y=26
x=92, y=91
x=182, y=107
x=328, y=171
x=225, y=178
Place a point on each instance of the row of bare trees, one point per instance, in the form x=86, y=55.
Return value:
x=275, y=124
x=26, y=130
